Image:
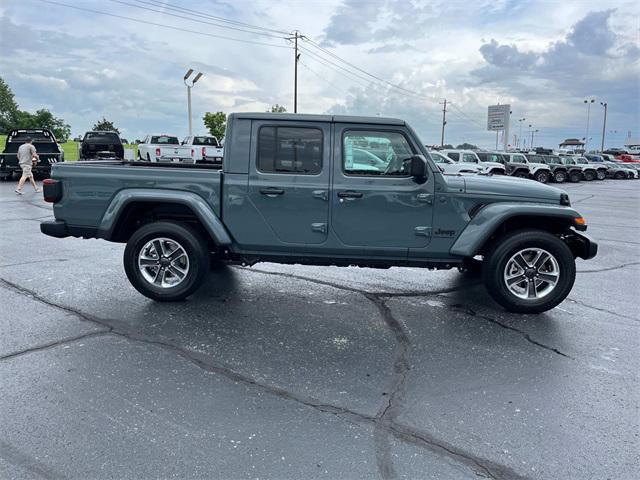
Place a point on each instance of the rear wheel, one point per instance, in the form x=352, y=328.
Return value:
x=541, y=176
x=575, y=177
x=166, y=261
x=529, y=271
x=602, y=174
x=619, y=176
x=560, y=176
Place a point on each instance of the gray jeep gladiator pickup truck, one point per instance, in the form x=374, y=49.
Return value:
x=322, y=190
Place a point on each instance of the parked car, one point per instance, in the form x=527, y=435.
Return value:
x=46, y=145
x=469, y=156
x=589, y=171
x=450, y=167
x=537, y=171
x=124, y=141
x=288, y=196
x=598, y=162
x=163, y=148
x=204, y=149
x=513, y=168
x=101, y=145
x=559, y=171
x=628, y=158
x=619, y=170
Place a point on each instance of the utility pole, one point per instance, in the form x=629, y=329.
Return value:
x=296, y=35
x=604, y=125
x=444, y=121
x=520, y=120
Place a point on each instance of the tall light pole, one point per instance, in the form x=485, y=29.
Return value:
x=532, y=133
x=586, y=137
x=520, y=120
x=604, y=125
x=444, y=121
x=190, y=84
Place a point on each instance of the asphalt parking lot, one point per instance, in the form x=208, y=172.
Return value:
x=314, y=372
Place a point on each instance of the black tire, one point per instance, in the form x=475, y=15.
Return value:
x=620, y=176
x=589, y=175
x=495, y=265
x=191, y=242
x=601, y=175
x=560, y=176
x=541, y=176
x=575, y=177
x=139, y=156
x=521, y=174
x=148, y=158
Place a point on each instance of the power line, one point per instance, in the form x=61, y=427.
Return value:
x=324, y=79
x=196, y=20
x=197, y=13
x=162, y=25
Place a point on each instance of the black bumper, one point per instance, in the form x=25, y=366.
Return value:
x=582, y=245
x=59, y=229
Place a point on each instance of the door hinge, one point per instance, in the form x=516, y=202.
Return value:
x=425, y=198
x=319, y=227
x=423, y=231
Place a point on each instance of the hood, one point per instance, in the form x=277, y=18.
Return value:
x=539, y=165
x=511, y=187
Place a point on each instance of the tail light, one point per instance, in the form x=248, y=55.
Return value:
x=204, y=151
x=52, y=190
x=193, y=153
x=157, y=152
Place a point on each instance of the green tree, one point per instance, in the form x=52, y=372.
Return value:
x=43, y=118
x=216, y=123
x=467, y=146
x=105, y=125
x=277, y=109
x=8, y=108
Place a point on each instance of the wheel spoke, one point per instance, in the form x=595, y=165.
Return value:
x=522, y=263
x=531, y=289
x=550, y=278
x=148, y=262
x=516, y=279
x=159, y=277
x=176, y=254
x=540, y=259
x=177, y=272
x=157, y=244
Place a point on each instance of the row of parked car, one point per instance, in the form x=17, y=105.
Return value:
x=542, y=165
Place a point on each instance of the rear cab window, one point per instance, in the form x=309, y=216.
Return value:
x=105, y=138
x=290, y=150
x=164, y=140
x=206, y=141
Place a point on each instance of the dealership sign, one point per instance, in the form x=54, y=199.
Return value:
x=498, y=117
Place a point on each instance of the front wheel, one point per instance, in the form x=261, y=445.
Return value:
x=166, y=261
x=602, y=174
x=589, y=175
x=529, y=271
x=575, y=177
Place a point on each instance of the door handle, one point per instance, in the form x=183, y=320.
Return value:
x=271, y=191
x=321, y=194
x=349, y=194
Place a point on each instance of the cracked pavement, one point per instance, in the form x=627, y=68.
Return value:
x=315, y=372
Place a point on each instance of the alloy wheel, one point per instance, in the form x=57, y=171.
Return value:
x=531, y=273
x=163, y=262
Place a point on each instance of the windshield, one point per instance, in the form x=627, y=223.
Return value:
x=439, y=158
x=101, y=137
x=519, y=158
x=165, y=140
x=567, y=161
x=469, y=158
x=210, y=141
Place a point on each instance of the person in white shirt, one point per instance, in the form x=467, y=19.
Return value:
x=27, y=156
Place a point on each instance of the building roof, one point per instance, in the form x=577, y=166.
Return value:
x=572, y=142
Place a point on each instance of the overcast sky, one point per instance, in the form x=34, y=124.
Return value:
x=542, y=57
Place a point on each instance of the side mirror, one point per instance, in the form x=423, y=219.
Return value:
x=418, y=167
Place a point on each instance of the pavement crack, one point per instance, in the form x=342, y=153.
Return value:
x=607, y=269
x=603, y=310
x=525, y=335
x=57, y=343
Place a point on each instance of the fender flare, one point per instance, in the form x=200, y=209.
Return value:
x=200, y=208
x=490, y=218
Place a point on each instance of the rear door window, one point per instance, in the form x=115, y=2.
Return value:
x=290, y=150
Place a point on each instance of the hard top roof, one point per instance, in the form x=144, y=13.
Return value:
x=303, y=117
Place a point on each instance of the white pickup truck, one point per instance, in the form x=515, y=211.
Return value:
x=163, y=148
x=204, y=149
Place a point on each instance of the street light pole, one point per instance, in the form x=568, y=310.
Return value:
x=604, y=125
x=444, y=122
x=520, y=120
x=586, y=137
x=189, y=85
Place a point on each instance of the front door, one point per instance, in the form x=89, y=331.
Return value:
x=375, y=202
x=289, y=181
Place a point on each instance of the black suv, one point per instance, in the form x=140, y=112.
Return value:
x=101, y=146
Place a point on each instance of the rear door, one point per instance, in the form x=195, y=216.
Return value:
x=375, y=202
x=289, y=180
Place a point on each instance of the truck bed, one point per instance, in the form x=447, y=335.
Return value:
x=88, y=188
